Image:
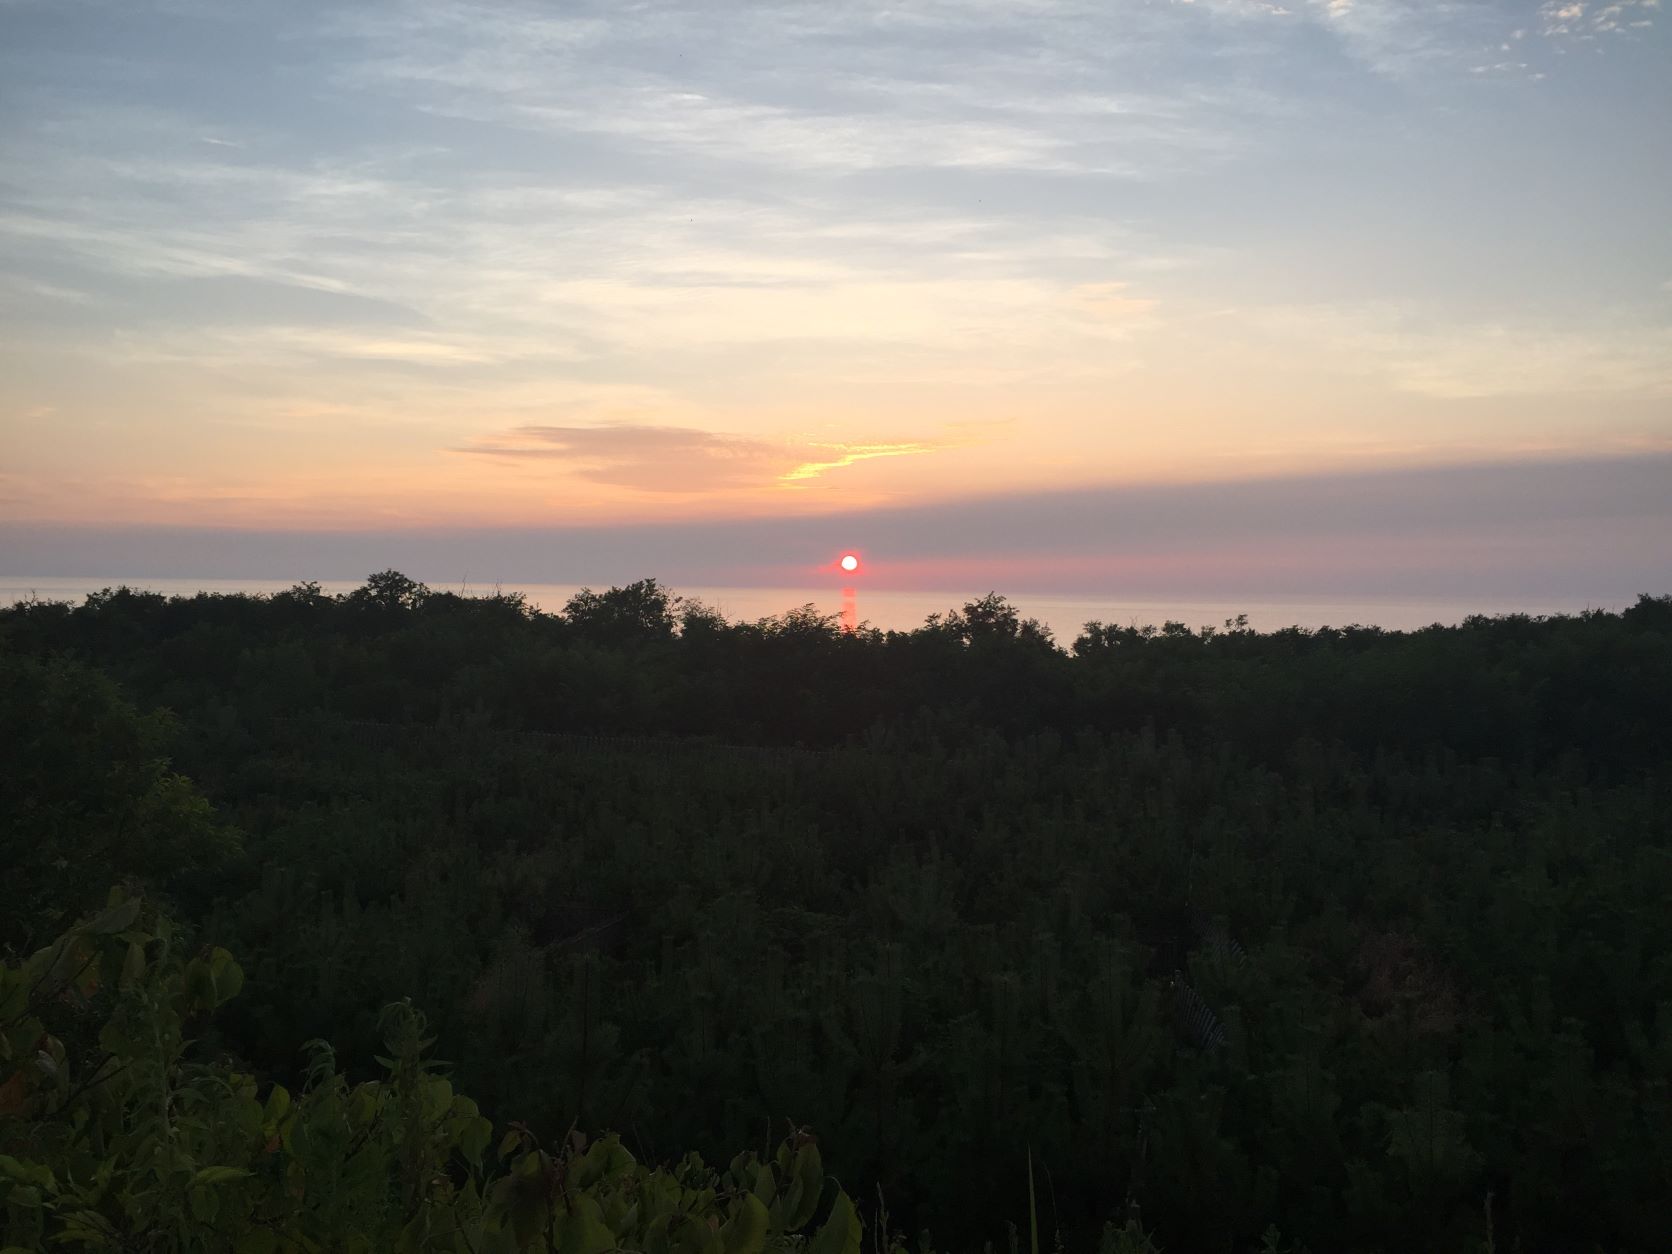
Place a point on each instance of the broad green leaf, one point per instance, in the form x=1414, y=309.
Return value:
x=118, y=918
x=656, y=1234
x=605, y=1158
x=473, y=1140
x=799, y=1196
x=582, y=1230
x=278, y=1102
x=226, y=975
x=745, y=1232
x=841, y=1232
x=766, y=1186
x=133, y=965
x=27, y=1173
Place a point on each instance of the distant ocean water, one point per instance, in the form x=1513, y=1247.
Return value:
x=895, y=609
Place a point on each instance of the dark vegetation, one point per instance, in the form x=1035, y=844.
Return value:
x=122, y=1140
x=1357, y=937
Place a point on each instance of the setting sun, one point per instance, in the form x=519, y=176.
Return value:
x=849, y=563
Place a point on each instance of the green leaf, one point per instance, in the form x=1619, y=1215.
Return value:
x=745, y=1231
x=436, y=1095
x=582, y=1230
x=656, y=1234
x=473, y=1141
x=691, y=1235
x=27, y=1173
x=226, y=976
x=799, y=1198
x=118, y=918
x=278, y=1102
x=219, y=1175
x=841, y=1232
x=604, y=1158
x=133, y=965
x=766, y=1187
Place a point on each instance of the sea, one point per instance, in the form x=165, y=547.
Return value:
x=894, y=609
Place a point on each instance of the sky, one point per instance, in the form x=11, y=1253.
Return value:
x=1138, y=292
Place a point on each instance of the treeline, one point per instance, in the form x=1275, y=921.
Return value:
x=1357, y=936
x=640, y=661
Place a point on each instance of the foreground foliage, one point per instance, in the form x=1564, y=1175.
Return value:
x=113, y=1137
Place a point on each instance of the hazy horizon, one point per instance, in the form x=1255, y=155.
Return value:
x=906, y=610
x=1566, y=530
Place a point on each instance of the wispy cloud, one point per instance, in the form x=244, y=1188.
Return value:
x=841, y=455
x=1586, y=19
x=664, y=459
x=24, y=286
x=998, y=87
x=643, y=457
x=1406, y=38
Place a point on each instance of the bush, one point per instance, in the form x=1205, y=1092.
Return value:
x=117, y=1132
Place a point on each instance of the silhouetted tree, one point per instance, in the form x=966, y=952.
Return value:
x=388, y=590
x=640, y=612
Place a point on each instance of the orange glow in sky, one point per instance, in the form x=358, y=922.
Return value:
x=989, y=251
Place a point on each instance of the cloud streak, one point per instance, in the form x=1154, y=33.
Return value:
x=1586, y=19
x=664, y=459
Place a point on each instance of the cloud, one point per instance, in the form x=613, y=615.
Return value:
x=1405, y=39
x=41, y=290
x=1585, y=18
x=666, y=459
x=643, y=457
x=532, y=266
x=841, y=455
x=1562, y=17
x=814, y=88
x=1400, y=38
